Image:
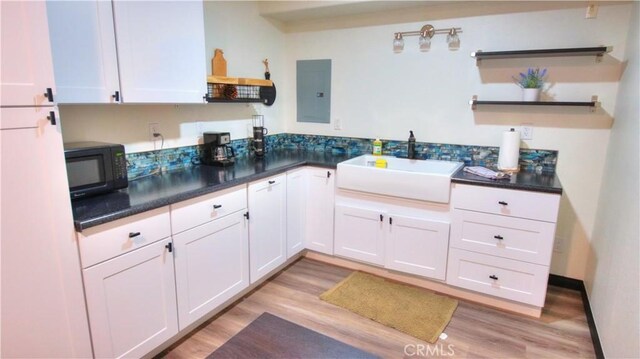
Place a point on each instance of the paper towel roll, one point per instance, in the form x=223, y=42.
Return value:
x=509, y=151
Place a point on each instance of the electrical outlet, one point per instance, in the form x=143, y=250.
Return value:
x=337, y=124
x=526, y=130
x=199, y=128
x=154, y=127
x=592, y=11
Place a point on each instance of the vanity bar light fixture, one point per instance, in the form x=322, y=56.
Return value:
x=426, y=33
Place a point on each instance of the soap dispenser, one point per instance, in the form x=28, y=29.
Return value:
x=377, y=147
x=411, y=149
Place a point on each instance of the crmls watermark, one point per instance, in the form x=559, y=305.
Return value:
x=429, y=350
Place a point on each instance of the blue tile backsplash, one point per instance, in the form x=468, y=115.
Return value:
x=145, y=163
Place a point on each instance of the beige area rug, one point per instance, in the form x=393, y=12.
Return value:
x=409, y=309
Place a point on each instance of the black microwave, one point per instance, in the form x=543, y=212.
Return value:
x=95, y=167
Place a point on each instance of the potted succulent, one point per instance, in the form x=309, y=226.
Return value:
x=531, y=83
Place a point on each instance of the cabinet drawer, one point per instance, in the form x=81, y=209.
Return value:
x=513, y=238
x=506, y=202
x=28, y=117
x=500, y=277
x=124, y=235
x=196, y=211
x=270, y=182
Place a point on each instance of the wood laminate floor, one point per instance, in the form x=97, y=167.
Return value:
x=475, y=331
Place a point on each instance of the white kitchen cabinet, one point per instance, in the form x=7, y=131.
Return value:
x=211, y=259
x=319, y=221
x=26, y=71
x=296, y=210
x=267, y=225
x=502, y=241
x=417, y=246
x=132, y=301
x=359, y=233
x=161, y=51
x=110, y=240
x=83, y=45
x=399, y=234
x=160, y=56
x=43, y=309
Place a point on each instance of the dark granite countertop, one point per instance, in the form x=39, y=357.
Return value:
x=526, y=181
x=156, y=191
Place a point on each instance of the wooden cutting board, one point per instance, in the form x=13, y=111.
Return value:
x=218, y=64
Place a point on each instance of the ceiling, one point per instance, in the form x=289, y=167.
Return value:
x=300, y=16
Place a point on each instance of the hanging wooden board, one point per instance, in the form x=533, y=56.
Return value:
x=218, y=64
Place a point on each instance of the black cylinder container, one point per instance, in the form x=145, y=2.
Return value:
x=411, y=149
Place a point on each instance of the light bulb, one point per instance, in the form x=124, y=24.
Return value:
x=424, y=42
x=453, y=40
x=398, y=43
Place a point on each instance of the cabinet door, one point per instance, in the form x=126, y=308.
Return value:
x=43, y=312
x=83, y=45
x=212, y=265
x=267, y=225
x=26, y=70
x=359, y=234
x=417, y=246
x=320, y=201
x=296, y=191
x=132, y=302
x=161, y=53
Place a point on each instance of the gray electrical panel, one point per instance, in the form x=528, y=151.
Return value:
x=313, y=80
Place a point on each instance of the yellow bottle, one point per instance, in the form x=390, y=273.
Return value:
x=377, y=147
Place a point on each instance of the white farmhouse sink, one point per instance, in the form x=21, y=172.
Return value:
x=425, y=180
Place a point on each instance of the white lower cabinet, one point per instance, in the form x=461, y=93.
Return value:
x=359, y=234
x=267, y=225
x=296, y=210
x=212, y=265
x=210, y=234
x=131, y=301
x=407, y=236
x=320, y=194
x=507, y=278
x=417, y=246
x=502, y=241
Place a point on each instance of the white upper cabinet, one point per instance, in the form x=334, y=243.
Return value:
x=129, y=51
x=26, y=72
x=83, y=45
x=161, y=51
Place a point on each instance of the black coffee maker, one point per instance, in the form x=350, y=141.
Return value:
x=259, y=131
x=216, y=152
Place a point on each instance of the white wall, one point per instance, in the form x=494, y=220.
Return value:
x=614, y=268
x=377, y=93
x=246, y=39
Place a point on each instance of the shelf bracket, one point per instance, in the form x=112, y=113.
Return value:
x=599, y=58
x=473, y=102
x=596, y=104
x=474, y=55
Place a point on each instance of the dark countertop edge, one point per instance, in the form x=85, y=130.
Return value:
x=86, y=224
x=485, y=182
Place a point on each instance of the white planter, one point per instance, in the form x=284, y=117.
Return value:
x=531, y=94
